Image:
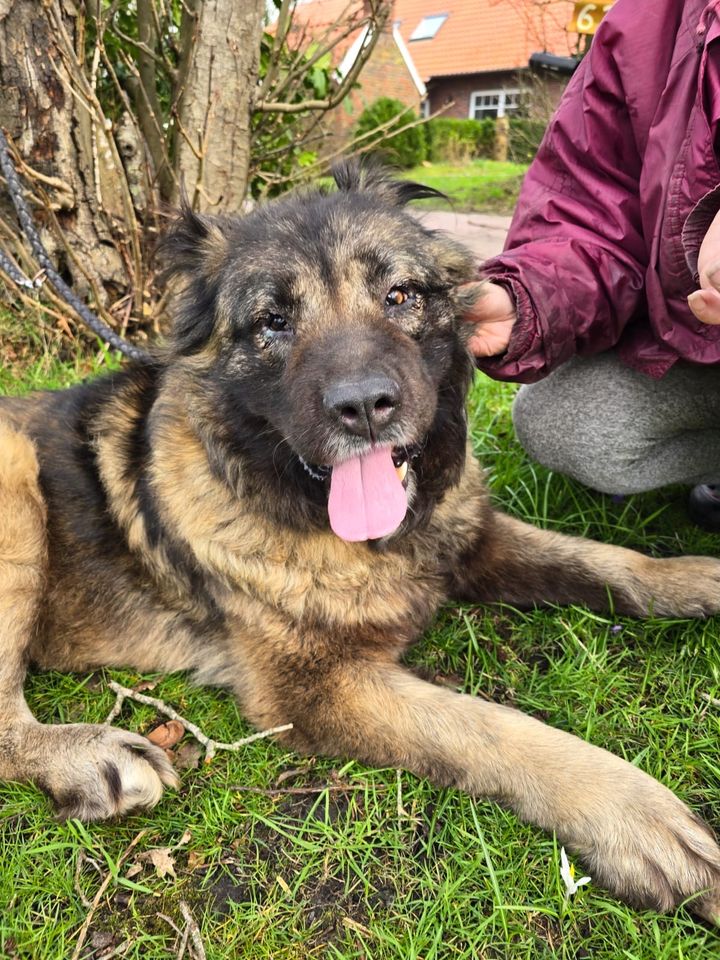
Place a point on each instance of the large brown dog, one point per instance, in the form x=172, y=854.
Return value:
x=279, y=504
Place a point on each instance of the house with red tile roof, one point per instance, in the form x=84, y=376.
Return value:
x=468, y=58
x=473, y=55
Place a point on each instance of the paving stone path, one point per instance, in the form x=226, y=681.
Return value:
x=483, y=233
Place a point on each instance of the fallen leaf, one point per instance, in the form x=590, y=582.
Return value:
x=167, y=734
x=162, y=860
x=185, y=838
x=134, y=870
x=195, y=860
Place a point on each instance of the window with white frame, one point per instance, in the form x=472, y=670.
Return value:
x=493, y=103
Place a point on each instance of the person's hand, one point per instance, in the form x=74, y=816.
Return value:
x=705, y=302
x=493, y=314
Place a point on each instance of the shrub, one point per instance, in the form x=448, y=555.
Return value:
x=406, y=149
x=456, y=141
x=524, y=139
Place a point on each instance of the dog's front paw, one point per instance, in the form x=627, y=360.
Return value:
x=653, y=852
x=681, y=587
x=94, y=772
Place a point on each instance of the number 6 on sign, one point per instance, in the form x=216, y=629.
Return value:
x=587, y=16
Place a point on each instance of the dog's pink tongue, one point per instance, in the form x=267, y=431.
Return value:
x=367, y=499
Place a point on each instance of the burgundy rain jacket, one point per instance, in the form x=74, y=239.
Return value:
x=603, y=246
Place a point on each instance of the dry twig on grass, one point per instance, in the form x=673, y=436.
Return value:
x=298, y=791
x=118, y=951
x=402, y=813
x=198, y=948
x=211, y=746
x=99, y=895
x=181, y=940
x=82, y=859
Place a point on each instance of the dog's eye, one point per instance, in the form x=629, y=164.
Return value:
x=276, y=323
x=400, y=295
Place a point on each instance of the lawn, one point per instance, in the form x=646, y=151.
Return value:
x=382, y=865
x=479, y=185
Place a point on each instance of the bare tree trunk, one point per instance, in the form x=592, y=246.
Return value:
x=67, y=154
x=221, y=50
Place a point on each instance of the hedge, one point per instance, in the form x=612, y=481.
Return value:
x=446, y=139
x=406, y=149
x=451, y=140
x=454, y=141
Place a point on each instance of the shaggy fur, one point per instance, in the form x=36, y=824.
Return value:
x=174, y=517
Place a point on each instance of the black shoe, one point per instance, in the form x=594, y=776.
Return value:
x=704, y=506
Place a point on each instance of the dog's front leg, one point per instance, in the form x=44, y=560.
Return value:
x=635, y=837
x=90, y=770
x=523, y=565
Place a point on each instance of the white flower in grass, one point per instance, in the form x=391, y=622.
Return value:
x=567, y=872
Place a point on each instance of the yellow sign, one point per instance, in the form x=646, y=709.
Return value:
x=587, y=16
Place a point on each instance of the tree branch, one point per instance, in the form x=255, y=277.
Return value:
x=333, y=35
x=375, y=24
x=211, y=746
x=283, y=26
x=147, y=103
x=354, y=147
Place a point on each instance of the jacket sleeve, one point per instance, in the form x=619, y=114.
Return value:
x=575, y=257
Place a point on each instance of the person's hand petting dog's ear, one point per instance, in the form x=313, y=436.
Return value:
x=705, y=302
x=493, y=314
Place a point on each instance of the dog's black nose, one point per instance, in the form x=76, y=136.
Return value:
x=364, y=406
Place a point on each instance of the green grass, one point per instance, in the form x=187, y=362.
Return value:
x=343, y=875
x=39, y=356
x=479, y=185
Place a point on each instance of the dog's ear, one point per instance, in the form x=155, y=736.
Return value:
x=194, y=248
x=364, y=175
x=192, y=243
x=456, y=263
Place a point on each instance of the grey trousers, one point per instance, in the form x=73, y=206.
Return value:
x=617, y=430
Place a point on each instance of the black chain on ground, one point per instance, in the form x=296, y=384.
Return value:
x=41, y=255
